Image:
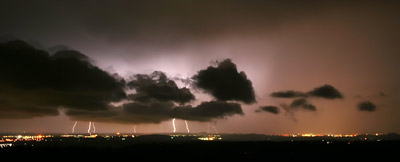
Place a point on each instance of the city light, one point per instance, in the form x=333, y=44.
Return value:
x=326, y=138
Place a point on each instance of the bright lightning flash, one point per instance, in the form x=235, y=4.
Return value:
x=94, y=128
x=215, y=129
x=187, y=127
x=173, y=124
x=90, y=125
x=73, y=127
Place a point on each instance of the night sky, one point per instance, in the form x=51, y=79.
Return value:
x=238, y=66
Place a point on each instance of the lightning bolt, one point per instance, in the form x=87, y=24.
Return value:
x=173, y=124
x=134, y=128
x=215, y=129
x=94, y=128
x=187, y=127
x=90, y=125
x=73, y=127
x=208, y=128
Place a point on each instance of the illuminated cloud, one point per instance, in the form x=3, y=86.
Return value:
x=225, y=83
x=158, y=86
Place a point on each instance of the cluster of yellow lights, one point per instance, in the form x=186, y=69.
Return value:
x=91, y=136
x=72, y=136
x=342, y=135
x=209, y=138
x=321, y=135
x=24, y=138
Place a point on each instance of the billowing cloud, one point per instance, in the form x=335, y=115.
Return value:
x=150, y=112
x=158, y=86
x=302, y=103
x=225, y=83
x=288, y=94
x=136, y=112
x=270, y=109
x=57, y=48
x=207, y=111
x=157, y=111
x=34, y=83
x=366, y=106
x=326, y=91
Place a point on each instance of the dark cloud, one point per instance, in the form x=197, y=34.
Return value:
x=153, y=107
x=326, y=91
x=155, y=111
x=309, y=106
x=288, y=94
x=7, y=38
x=302, y=103
x=56, y=48
x=225, y=83
x=366, y=106
x=207, y=111
x=298, y=102
x=152, y=111
x=158, y=86
x=109, y=115
x=70, y=54
x=153, y=101
x=271, y=109
x=34, y=83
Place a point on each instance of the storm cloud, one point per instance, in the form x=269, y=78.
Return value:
x=157, y=111
x=37, y=84
x=158, y=86
x=288, y=94
x=326, y=91
x=301, y=98
x=207, y=111
x=303, y=104
x=135, y=112
x=366, y=106
x=270, y=109
x=34, y=83
x=225, y=83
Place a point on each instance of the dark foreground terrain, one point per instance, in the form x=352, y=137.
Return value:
x=203, y=150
